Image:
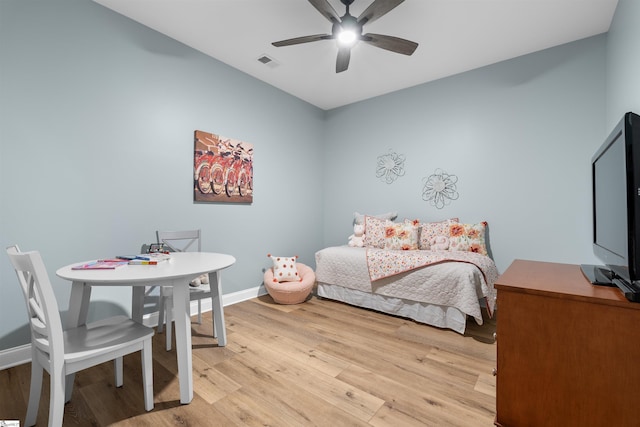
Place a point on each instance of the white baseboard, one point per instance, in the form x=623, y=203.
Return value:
x=22, y=354
x=15, y=356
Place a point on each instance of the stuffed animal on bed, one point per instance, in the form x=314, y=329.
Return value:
x=200, y=280
x=356, y=240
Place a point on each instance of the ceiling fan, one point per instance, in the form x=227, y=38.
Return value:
x=347, y=30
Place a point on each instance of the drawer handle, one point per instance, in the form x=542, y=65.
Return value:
x=494, y=371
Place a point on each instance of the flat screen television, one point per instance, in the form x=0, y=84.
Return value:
x=615, y=179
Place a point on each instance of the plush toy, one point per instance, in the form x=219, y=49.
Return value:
x=200, y=280
x=357, y=238
x=439, y=243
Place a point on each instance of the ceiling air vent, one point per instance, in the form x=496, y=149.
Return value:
x=268, y=61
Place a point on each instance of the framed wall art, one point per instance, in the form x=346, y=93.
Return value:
x=222, y=169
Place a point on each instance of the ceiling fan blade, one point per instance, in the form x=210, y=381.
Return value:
x=326, y=10
x=344, y=54
x=304, y=39
x=394, y=44
x=377, y=9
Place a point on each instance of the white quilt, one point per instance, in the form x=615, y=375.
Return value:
x=453, y=284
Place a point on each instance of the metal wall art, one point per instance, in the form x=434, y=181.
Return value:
x=440, y=188
x=390, y=167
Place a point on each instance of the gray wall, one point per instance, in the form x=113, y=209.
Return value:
x=519, y=135
x=623, y=62
x=97, y=115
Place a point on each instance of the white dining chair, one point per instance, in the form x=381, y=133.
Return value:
x=180, y=241
x=66, y=352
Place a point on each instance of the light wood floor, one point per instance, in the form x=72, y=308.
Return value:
x=320, y=363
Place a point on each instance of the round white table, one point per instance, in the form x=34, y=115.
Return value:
x=177, y=273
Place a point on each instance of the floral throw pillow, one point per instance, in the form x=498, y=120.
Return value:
x=401, y=236
x=284, y=269
x=468, y=237
x=374, y=231
x=435, y=235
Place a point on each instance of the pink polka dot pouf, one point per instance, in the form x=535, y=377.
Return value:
x=291, y=292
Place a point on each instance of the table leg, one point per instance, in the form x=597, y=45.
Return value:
x=137, y=303
x=76, y=316
x=78, y=305
x=215, y=282
x=182, y=319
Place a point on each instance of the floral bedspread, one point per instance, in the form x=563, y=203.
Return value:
x=384, y=263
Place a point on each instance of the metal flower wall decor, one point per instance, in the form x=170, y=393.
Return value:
x=390, y=167
x=440, y=188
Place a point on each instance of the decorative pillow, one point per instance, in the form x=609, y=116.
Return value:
x=435, y=235
x=284, y=269
x=401, y=236
x=468, y=237
x=415, y=222
x=358, y=218
x=374, y=231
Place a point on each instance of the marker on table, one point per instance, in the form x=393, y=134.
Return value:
x=142, y=262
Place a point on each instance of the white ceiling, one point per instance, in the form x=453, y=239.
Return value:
x=453, y=35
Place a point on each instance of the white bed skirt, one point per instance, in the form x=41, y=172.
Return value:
x=431, y=314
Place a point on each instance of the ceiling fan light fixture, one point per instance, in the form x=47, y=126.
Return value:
x=346, y=30
x=347, y=37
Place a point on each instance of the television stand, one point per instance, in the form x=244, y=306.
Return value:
x=567, y=351
x=598, y=275
x=630, y=291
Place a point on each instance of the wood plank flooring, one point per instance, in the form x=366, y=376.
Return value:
x=321, y=363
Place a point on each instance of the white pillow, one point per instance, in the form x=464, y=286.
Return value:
x=284, y=269
x=358, y=218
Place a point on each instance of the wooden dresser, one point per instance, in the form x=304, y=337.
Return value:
x=568, y=351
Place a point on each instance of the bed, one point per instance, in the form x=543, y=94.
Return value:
x=438, y=288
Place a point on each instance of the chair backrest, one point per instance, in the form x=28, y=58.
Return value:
x=181, y=241
x=42, y=307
